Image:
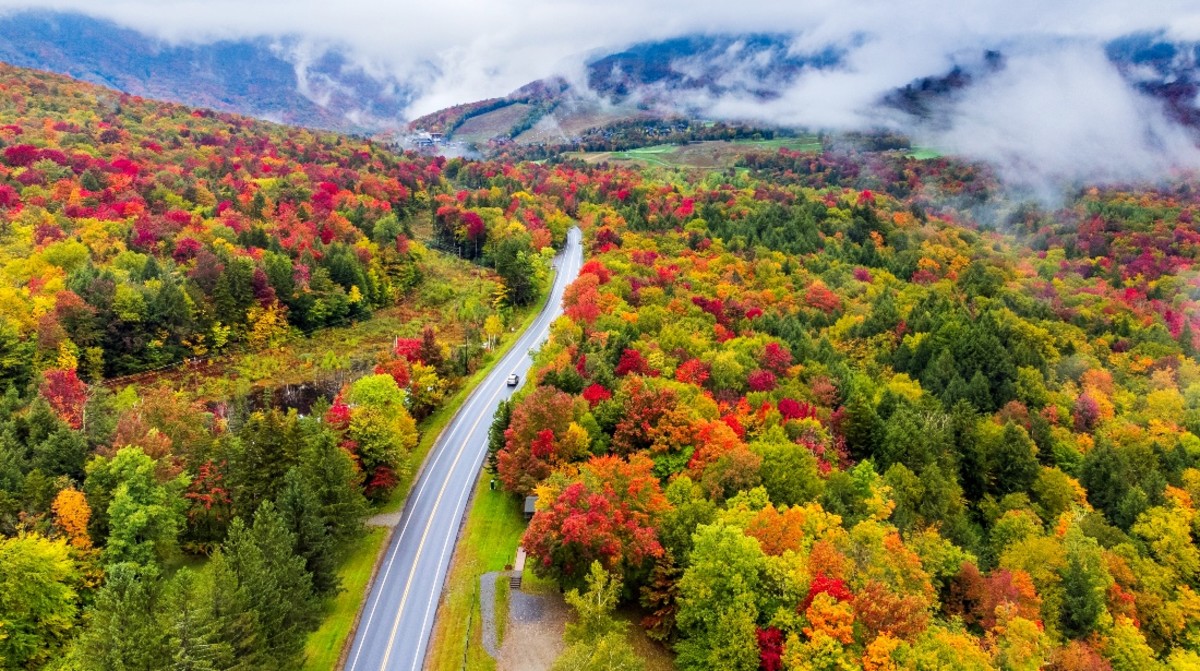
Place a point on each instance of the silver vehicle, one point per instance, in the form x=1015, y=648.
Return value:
x=513, y=379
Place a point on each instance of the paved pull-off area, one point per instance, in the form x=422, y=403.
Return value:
x=398, y=615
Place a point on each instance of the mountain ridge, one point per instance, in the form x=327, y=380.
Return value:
x=291, y=81
x=259, y=77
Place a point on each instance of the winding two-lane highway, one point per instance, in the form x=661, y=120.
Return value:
x=398, y=615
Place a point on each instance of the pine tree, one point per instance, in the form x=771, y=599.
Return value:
x=265, y=447
x=124, y=630
x=329, y=473
x=906, y=441
x=233, y=294
x=193, y=627
x=979, y=393
x=1187, y=339
x=500, y=422
x=863, y=430
x=63, y=452
x=234, y=620
x=1013, y=462
x=1083, y=589
x=274, y=580
x=301, y=513
x=1106, y=477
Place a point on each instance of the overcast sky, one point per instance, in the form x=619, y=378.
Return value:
x=1058, y=105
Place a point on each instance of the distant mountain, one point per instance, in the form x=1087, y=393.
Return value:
x=661, y=79
x=922, y=98
x=646, y=82
x=1165, y=69
x=758, y=63
x=279, y=80
x=290, y=81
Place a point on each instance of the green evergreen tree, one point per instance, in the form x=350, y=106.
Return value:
x=328, y=472
x=302, y=516
x=276, y=585
x=884, y=316
x=1084, y=586
x=979, y=392
x=193, y=629
x=1187, y=339
x=234, y=292
x=229, y=606
x=500, y=422
x=1012, y=461
x=260, y=453
x=906, y=440
x=1106, y=477
x=863, y=430
x=63, y=452
x=124, y=631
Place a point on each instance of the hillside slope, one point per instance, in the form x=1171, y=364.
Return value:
x=280, y=80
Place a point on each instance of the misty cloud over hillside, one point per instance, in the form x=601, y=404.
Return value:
x=1072, y=89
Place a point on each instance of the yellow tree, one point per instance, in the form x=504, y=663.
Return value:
x=71, y=514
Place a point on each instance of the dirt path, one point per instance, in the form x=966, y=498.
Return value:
x=384, y=519
x=533, y=637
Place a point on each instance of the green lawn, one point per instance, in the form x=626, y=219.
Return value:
x=709, y=154
x=653, y=155
x=503, y=595
x=324, y=645
x=801, y=143
x=923, y=153
x=488, y=543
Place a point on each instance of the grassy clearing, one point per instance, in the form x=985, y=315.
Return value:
x=923, y=153
x=715, y=154
x=488, y=543
x=323, y=647
x=450, y=283
x=503, y=596
x=800, y=143
x=657, y=155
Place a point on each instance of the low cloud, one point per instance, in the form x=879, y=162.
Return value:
x=1065, y=113
x=1057, y=105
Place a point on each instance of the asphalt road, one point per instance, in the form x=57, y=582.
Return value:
x=398, y=616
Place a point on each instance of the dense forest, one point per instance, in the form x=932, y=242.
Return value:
x=139, y=523
x=807, y=425
x=809, y=413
